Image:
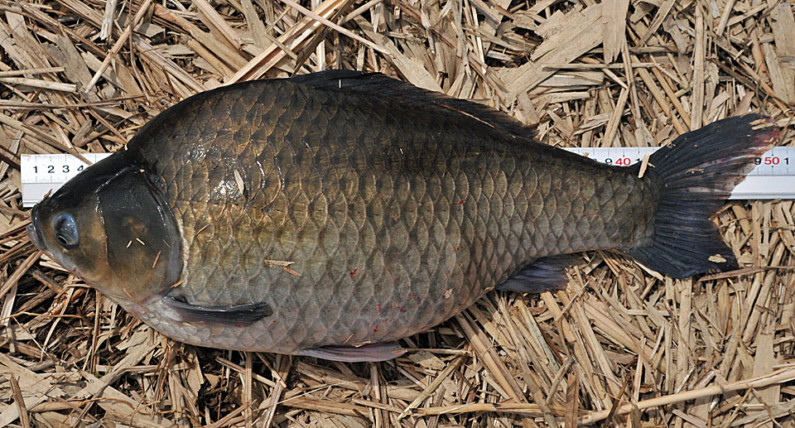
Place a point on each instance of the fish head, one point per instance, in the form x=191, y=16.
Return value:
x=111, y=226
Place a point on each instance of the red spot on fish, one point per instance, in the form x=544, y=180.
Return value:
x=414, y=297
x=378, y=305
x=353, y=272
x=375, y=330
x=461, y=202
x=382, y=195
x=400, y=308
x=272, y=323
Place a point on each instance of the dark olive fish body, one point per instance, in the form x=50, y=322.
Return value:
x=318, y=214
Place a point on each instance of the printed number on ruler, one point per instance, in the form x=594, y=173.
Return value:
x=52, y=172
x=42, y=174
x=773, y=161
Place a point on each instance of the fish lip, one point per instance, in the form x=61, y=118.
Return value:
x=34, y=232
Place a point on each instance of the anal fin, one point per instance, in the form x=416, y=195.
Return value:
x=382, y=351
x=544, y=274
x=232, y=314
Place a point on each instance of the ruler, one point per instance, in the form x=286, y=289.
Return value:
x=773, y=177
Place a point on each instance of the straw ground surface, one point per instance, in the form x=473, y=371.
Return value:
x=620, y=346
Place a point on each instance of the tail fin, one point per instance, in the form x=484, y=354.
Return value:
x=698, y=172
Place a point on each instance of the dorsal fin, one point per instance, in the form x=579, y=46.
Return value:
x=404, y=93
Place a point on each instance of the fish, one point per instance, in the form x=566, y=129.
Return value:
x=332, y=214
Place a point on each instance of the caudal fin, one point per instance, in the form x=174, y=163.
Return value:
x=698, y=171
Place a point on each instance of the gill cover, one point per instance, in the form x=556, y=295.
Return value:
x=143, y=240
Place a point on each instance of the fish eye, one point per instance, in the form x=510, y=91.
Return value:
x=66, y=231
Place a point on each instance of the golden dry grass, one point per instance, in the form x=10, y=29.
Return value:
x=621, y=346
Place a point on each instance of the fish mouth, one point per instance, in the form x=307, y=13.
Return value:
x=34, y=232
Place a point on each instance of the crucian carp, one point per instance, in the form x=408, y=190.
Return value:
x=335, y=213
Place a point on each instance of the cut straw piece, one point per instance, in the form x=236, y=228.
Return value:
x=432, y=387
x=283, y=366
x=573, y=37
x=615, y=27
x=255, y=24
x=524, y=409
x=30, y=71
x=326, y=406
x=107, y=19
x=168, y=65
x=334, y=26
x=24, y=417
x=697, y=101
x=119, y=43
x=219, y=23
x=774, y=378
x=492, y=362
x=295, y=39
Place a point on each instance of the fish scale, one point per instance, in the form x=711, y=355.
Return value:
x=393, y=208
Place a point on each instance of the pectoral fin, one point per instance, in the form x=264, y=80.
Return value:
x=353, y=354
x=233, y=314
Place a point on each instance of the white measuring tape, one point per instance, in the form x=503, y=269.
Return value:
x=773, y=178
x=42, y=174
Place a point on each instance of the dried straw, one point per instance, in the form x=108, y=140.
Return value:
x=621, y=345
